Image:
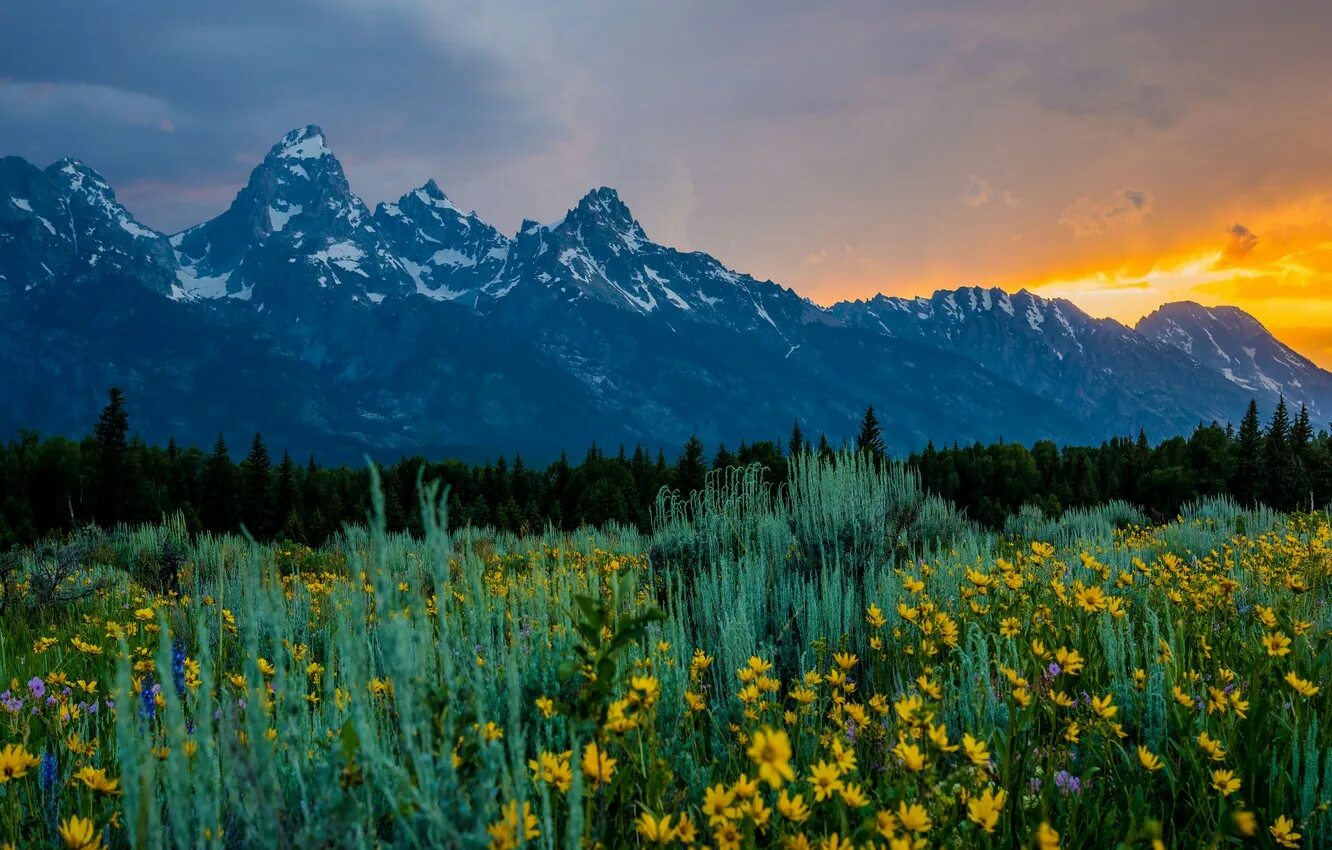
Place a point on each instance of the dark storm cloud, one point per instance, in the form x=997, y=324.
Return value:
x=1242, y=242
x=189, y=94
x=766, y=134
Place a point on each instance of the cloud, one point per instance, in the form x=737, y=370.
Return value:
x=36, y=103
x=817, y=258
x=189, y=93
x=1087, y=217
x=807, y=126
x=1242, y=241
x=978, y=191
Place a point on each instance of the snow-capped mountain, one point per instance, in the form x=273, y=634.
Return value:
x=1229, y=341
x=294, y=240
x=449, y=254
x=420, y=327
x=1097, y=369
x=63, y=225
x=599, y=253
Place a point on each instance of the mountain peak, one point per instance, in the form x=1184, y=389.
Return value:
x=604, y=201
x=1230, y=341
x=432, y=196
x=1232, y=320
x=82, y=177
x=1193, y=308
x=302, y=143
x=602, y=210
x=432, y=190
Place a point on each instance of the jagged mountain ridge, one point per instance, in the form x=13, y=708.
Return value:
x=1233, y=343
x=1094, y=368
x=63, y=223
x=294, y=237
x=421, y=326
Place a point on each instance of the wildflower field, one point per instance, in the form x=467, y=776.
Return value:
x=845, y=663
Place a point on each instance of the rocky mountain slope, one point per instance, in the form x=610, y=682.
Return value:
x=419, y=327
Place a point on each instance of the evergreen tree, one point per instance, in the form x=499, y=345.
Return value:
x=112, y=440
x=870, y=438
x=218, y=506
x=520, y=484
x=286, y=511
x=1302, y=459
x=310, y=491
x=723, y=458
x=175, y=484
x=1281, y=490
x=1249, y=481
x=797, y=445
x=691, y=469
x=1301, y=434
x=560, y=498
x=256, y=489
x=825, y=448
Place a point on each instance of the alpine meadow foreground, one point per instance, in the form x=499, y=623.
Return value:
x=842, y=663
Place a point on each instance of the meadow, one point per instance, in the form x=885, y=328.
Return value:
x=840, y=663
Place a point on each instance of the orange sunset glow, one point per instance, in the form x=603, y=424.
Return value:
x=1277, y=266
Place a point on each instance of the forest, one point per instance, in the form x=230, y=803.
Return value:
x=51, y=486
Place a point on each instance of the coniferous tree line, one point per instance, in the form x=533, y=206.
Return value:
x=50, y=486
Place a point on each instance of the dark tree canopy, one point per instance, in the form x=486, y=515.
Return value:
x=50, y=486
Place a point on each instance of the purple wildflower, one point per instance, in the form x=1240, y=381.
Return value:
x=1068, y=783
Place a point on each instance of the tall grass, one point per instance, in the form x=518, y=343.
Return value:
x=384, y=691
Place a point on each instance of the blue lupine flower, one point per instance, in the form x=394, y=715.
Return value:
x=149, y=695
x=46, y=772
x=178, y=666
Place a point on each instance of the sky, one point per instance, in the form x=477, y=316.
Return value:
x=1118, y=154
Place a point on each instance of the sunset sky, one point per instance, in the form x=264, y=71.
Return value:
x=1119, y=154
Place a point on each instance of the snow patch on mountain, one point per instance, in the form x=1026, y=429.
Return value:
x=345, y=255
x=278, y=218
x=192, y=286
x=304, y=144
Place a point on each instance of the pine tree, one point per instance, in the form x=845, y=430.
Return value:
x=870, y=438
x=1281, y=489
x=218, y=503
x=173, y=483
x=690, y=469
x=256, y=491
x=797, y=445
x=286, y=512
x=1248, y=484
x=112, y=439
x=825, y=448
x=1302, y=459
x=1301, y=433
x=520, y=484
x=723, y=459
x=310, y=489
